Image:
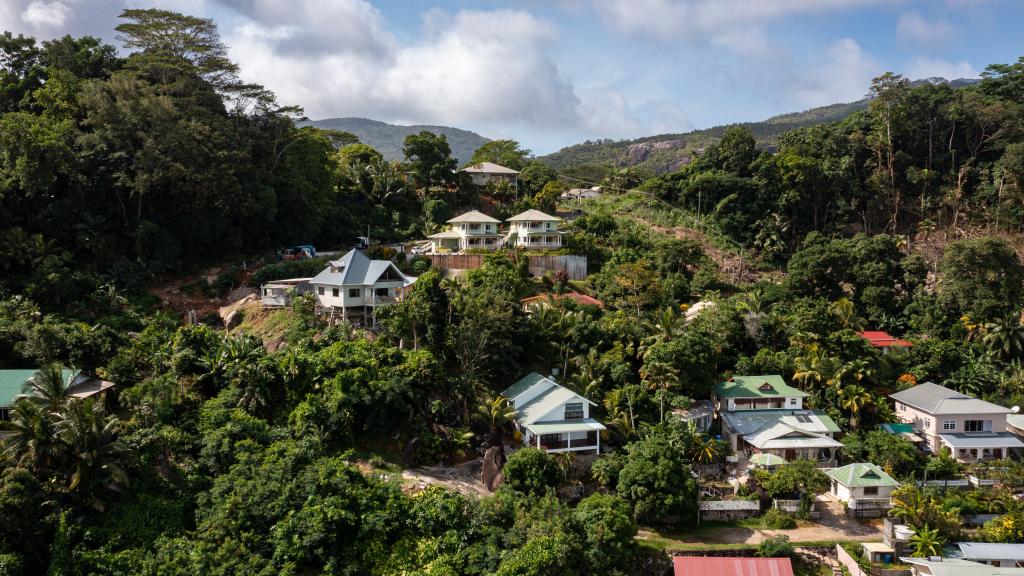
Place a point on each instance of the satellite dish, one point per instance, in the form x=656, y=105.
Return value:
x=1015, y=409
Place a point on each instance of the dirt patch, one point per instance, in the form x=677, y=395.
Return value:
x=464, y=478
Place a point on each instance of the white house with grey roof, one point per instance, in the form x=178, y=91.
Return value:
x=472, y=230
x=552, y=417
x=534, y=229
x=970, y=428
x=486, y=172
x=355, y=285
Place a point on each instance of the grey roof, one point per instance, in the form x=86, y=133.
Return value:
x=960, y=567
x=532, y=215
x=935, y=399
x=489, y=168
x=1015, y=420
x=982, y=440
x=474, y=216
x=354, y=268
x=783, y=435
x=699, y=409
x=535, y=409
x=524, y=384
x=748, y=422
x=991, y=551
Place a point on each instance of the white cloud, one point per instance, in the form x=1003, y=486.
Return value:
x=842, y=74
x=472, y=67
x=912, y=27
x=924, y=67
x=46, y=14
x=700, y=20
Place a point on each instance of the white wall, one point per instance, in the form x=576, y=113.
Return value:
x=558, y=413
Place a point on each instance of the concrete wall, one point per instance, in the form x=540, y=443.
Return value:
x=931, y=425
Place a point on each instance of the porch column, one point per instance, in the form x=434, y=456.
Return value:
x=538, y=440
x=598, y=432
x=568, y=440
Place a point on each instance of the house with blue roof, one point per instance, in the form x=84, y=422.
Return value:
x=355, y=285
x=553, y=417
x=14, y=383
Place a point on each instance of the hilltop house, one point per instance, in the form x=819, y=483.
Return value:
x=473, y=229
x=486, y=172
x=700, y=414
x=552, y=417
x=863, y=487
x=764, y=415
x=534, y=229
x=970, y=428
x=77, y=383
x=356, y=285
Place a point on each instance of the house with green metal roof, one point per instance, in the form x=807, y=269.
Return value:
x=766, y=392
x=13, y=383
x=863, y=487
x=552, y=417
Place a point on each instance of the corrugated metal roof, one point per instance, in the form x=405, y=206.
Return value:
x=861, y=474
x=880, y=339
x=766, y=386
x=354, y=268
x=564, y=426
x=991, y=551
x=489, y=168
x=982, y=440
x=532, y=215
x=750, y=421
x=938, y=400
x=524, y=384
x=731, y=566
x=12, y=383
x=783, y=435
x=474, y=216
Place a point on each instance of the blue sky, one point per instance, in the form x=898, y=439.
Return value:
x=550, y=73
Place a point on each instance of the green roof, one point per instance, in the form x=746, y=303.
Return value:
x=524, y=384
x=12, y=383
x=861, y=474
x=769, y=386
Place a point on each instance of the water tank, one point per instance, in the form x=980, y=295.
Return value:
x=902, y=532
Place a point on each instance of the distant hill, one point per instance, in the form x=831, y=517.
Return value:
x=667, y=152
x=388, y=138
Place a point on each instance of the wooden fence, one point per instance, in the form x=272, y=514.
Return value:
x=574, y=266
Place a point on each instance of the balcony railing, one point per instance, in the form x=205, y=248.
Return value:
x=870, y=503
x=563, y=443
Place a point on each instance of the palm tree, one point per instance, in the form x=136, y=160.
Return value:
x=660, y=376
x=927, y=542
x=33, y=441
x=47, y=387
x=588, y=376
x=704, y=449
x=1004, y=339
x=809, y=365
x=495, y=413
x=618, y=404
x=844, y=311
x=95, y=454
x=855, y=398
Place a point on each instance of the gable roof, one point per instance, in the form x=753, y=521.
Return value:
x=79, y=385
x=936, y=399
x=524, y=384
x=354, y=268
x=769, y=386
x=747, y=422
x=991, y=550
x=861, y=474
x=489, y=168
x=552, y=398
x=532, y=215
x=880, y=339
x=474, y=216
x=731, y=566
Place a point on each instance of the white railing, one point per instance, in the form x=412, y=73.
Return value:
x=870, y=503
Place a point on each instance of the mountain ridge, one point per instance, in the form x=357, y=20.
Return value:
x=388, y=138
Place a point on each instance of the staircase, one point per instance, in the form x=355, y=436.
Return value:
x=816, y=555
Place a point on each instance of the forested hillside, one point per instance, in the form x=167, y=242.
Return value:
x=389, y=138
x=668, y=152
x=333, y=449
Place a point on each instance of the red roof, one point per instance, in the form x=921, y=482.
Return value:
x=882, y=340
x=731, y=566
x=581, y=299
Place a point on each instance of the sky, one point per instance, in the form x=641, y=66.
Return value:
x=551, y=73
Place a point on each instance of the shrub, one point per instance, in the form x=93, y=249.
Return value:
x=775, y=547
x=776, y=519
x=531, y=470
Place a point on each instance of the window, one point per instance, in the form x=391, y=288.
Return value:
x=354, y=292
x=871, y=490
x=792, y=401
x=534, y=224
x=949, y=424
x=975, y=426
x=574, y=411
x=474, y=226
x=334, y=292
x=903, y=407
x=381, y=292
x=320, y=290
x=927, y=423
